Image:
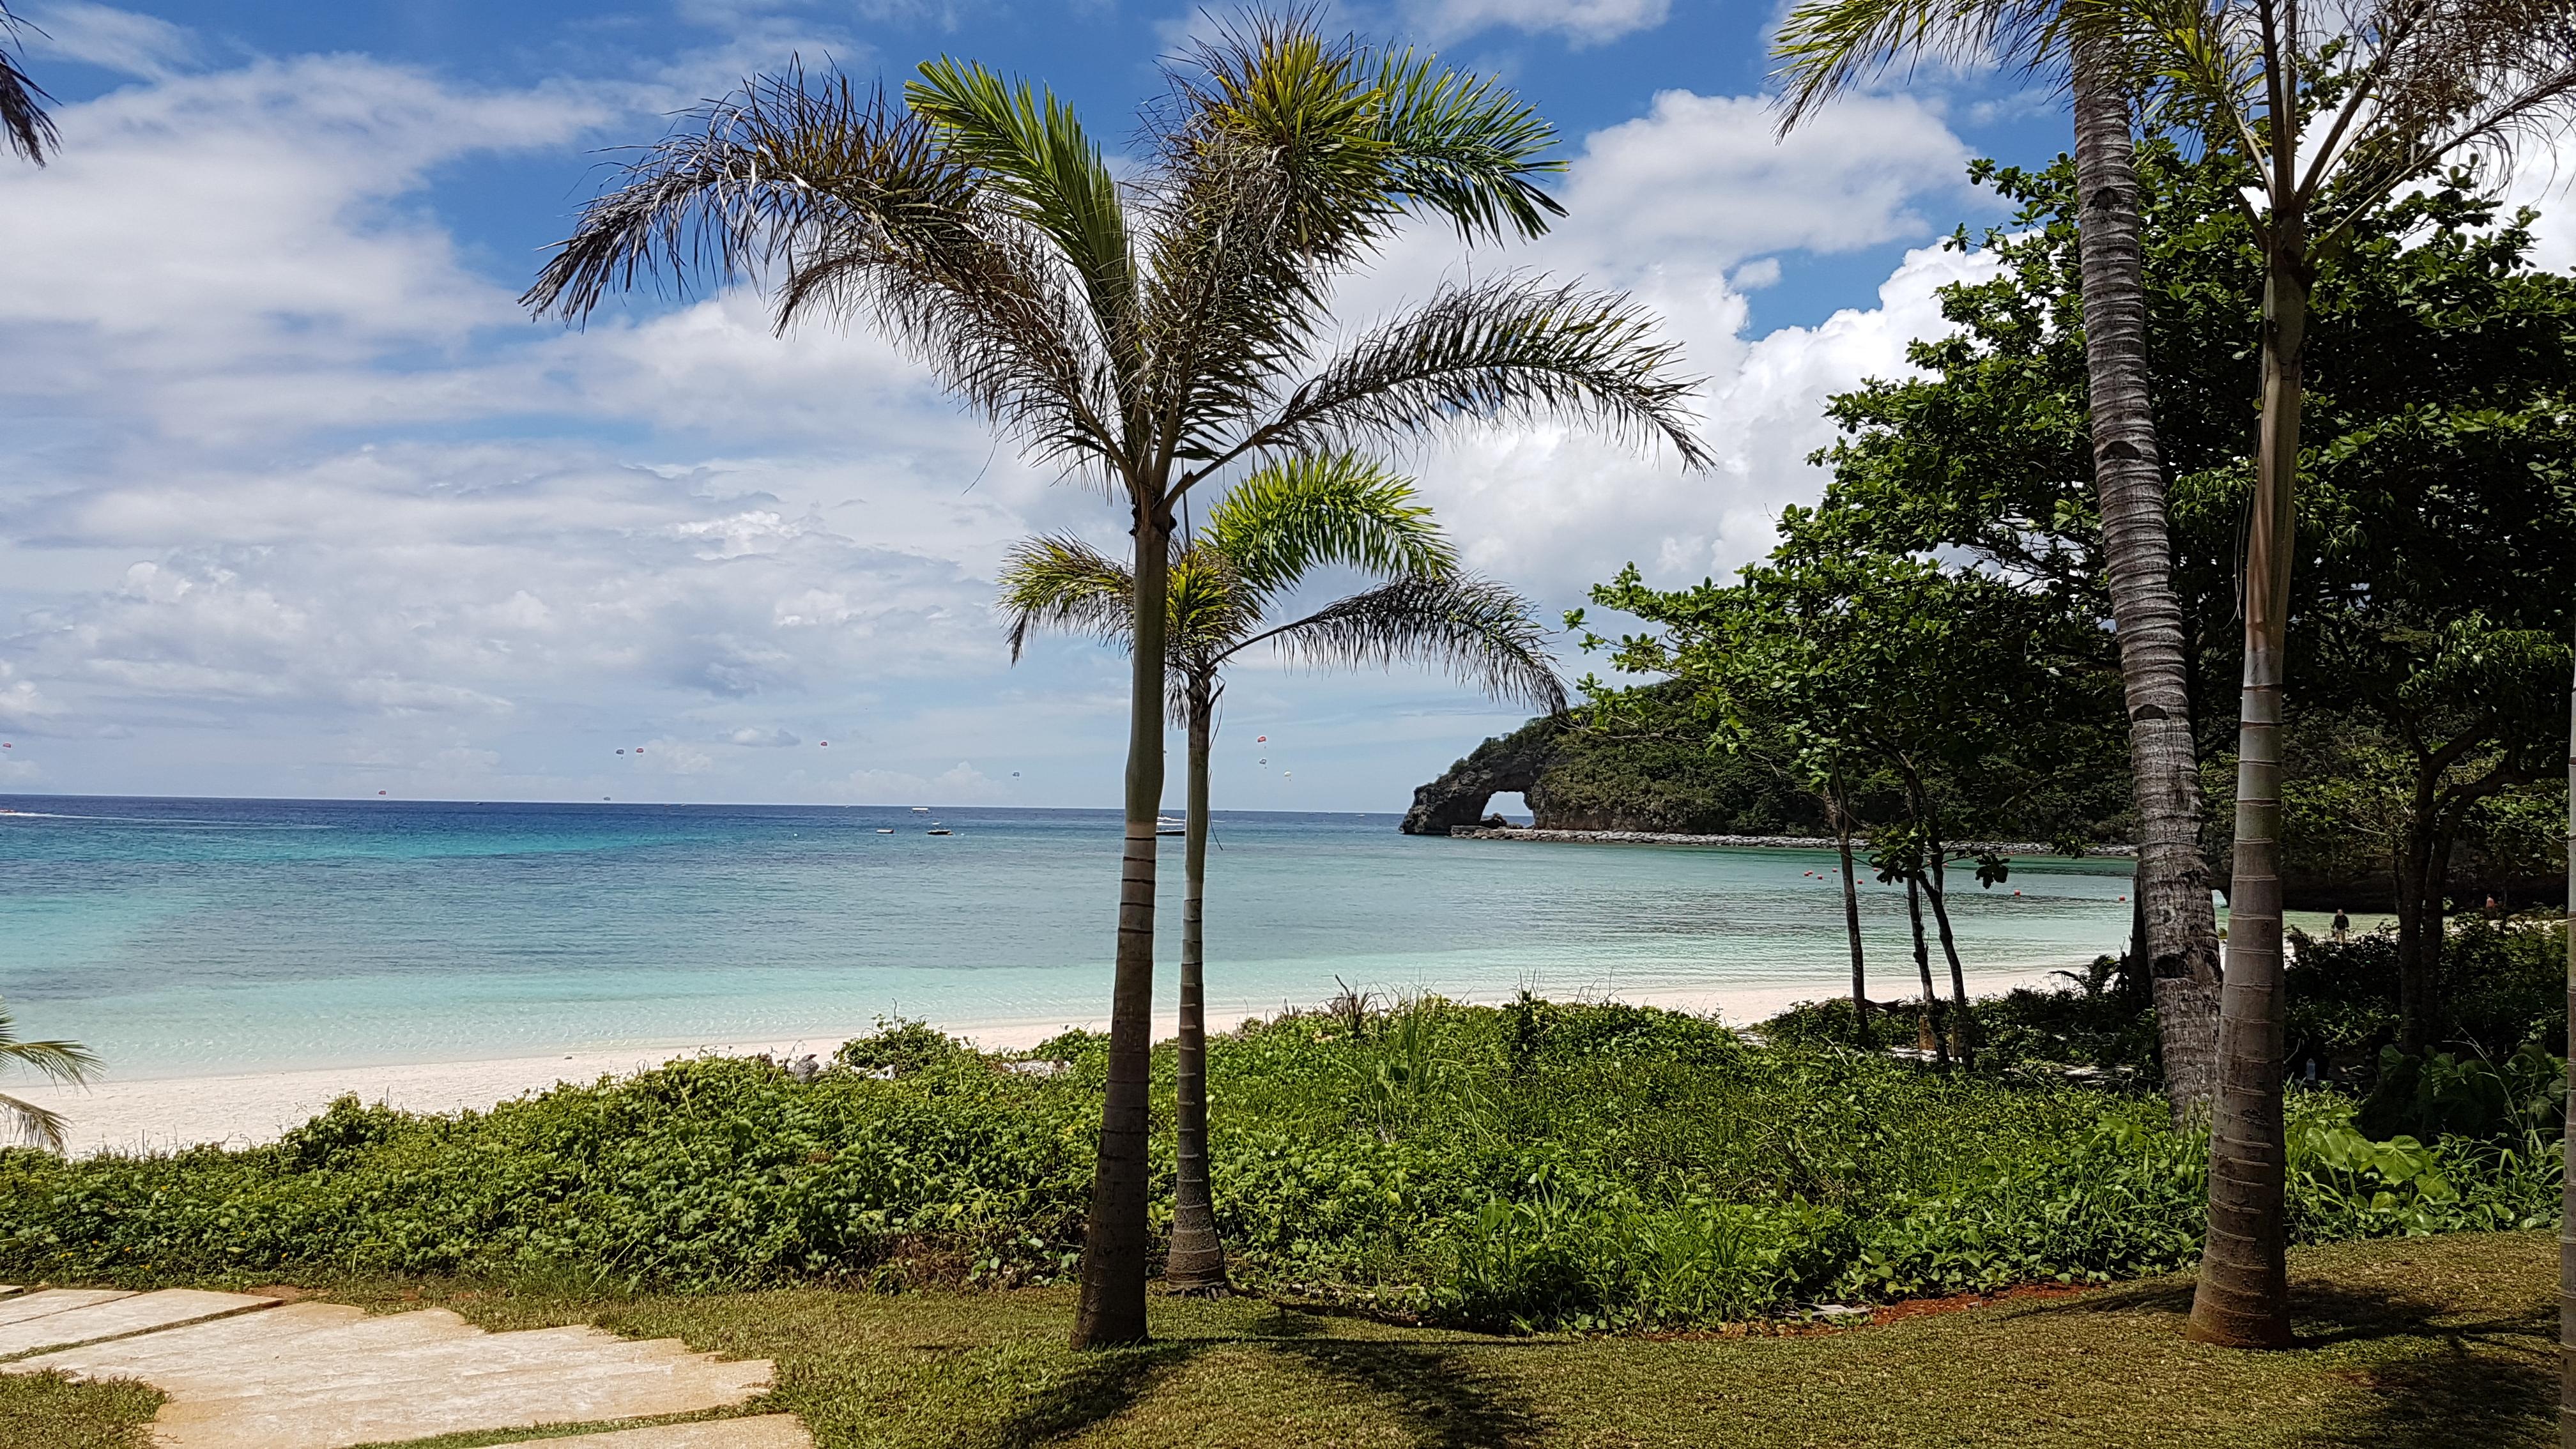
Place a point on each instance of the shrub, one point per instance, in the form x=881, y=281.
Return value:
x=1539, y=1165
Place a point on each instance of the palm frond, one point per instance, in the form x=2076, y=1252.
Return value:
x=60, y=1061
x=864, y=207
x=1033, y=147
x=1512, y=349
x=1056, y=581
x=34, y=1125
x=1309, y=511
x=1477, y=630
x=23, y=117
x=1826, y=48
x=1466, y=148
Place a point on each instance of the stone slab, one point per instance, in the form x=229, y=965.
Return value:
x=325, y=1376
x=55, y=1300
x=116, y=1317
x=768, y=1431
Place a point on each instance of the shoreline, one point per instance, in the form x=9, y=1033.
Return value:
x=1763, y=842
x=247, y=1109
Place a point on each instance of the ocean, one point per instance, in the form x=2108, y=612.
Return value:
x=191, y=937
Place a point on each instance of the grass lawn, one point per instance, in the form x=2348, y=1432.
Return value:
x=2419, y=1341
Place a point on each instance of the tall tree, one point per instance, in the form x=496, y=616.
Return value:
x=23, y=118
x=2332, y=108
x=1261, y=542
x=1152, y=331
x=1967, y=692
x=1827, y=46
x=60, y=1061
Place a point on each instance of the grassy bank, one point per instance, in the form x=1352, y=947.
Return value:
x=1527, y=1167
x=2406, y=1344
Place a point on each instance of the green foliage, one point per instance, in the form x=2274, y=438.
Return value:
x=900, y=1047
x=2504, y=987
x=1536, y=1165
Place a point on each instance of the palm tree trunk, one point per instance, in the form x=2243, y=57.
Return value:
x=1197, y=1261
x=1963, y=1023
x=2128, y=473
x=1861, y=1032
x=2567, y=1199
x=1927, y=1032
x=2243, y=1297
x=1114, y=1242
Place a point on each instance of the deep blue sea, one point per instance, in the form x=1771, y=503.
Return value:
x=181, y=937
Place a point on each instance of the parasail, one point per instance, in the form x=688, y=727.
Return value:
x=380, y=792
x=621, y=752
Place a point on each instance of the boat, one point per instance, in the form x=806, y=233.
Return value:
x=1166, y=825
x=885, y=830
x=940, y=830
x=920, y=809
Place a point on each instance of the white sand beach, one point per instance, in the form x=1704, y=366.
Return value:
x=244, y=1109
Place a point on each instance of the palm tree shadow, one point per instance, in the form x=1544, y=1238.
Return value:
x=1101, y=1387
x=2435, y=1375
x=1450, y=1403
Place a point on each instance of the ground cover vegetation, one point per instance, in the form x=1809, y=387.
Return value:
x=1524, y=1167
x=2407, y=1344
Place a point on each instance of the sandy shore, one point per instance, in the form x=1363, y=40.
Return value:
x=247, y=1108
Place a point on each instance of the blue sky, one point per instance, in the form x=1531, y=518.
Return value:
x=293, y=501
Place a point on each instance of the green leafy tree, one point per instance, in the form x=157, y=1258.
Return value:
x=1825, y=47
x=23, y=118
x=1151, y=330
x=1262, y=541
x=1967, y=692
x=60, y=1061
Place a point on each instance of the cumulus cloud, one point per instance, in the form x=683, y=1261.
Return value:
x=297, y=483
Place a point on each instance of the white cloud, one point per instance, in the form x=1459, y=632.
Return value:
x=1582, y=22
x=119, y=40
x=299, y=500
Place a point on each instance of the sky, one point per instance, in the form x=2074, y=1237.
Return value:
x=296, y=500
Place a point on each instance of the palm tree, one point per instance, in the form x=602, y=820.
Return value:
x=61, y=1061
x=1148, y=331
x=1261, y=541
x=2332, y=110
x=22, y=102
x=1827, y=46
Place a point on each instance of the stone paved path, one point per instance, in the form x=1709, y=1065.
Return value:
x=245, y=1372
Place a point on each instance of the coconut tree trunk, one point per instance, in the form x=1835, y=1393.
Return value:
x=1197, y=1260
x=1927, y=1032
x=1861, y=1032
x=2243, y=1297
x=2173, y=881
x=1114, y=1243
x=1963, y=1022
x=2567, y=1200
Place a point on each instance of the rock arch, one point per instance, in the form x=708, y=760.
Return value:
x=1505, y=765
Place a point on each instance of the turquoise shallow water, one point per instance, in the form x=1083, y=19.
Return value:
x=180, y=937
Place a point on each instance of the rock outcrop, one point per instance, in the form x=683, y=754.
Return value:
x=1505, y=765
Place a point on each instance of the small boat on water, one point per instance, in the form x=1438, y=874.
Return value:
x=885, y=830
x=920, y=809
x=940, y=830
x=1166, y=825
